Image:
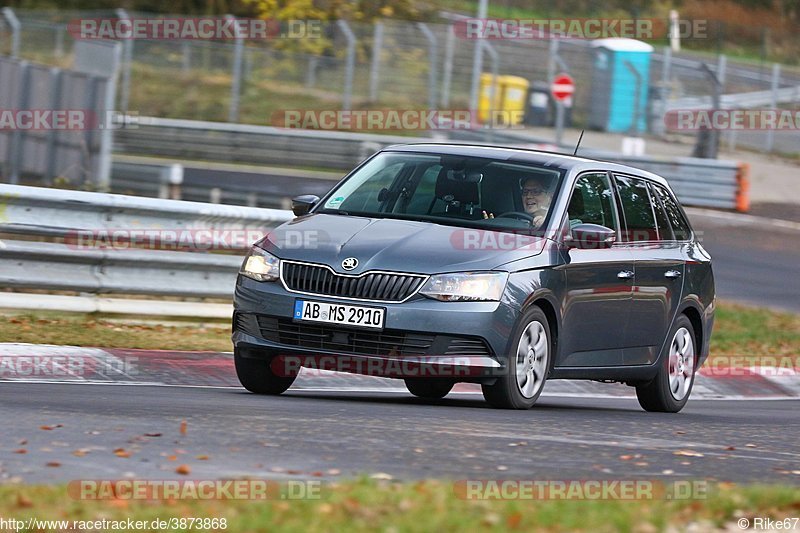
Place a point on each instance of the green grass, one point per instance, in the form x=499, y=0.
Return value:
x=368, y=505
x=738, y=331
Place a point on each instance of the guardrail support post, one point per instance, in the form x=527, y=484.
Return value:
x=13, y=23
x=127, y=59
x=236, y=75
x=56, y=80
x=375, y=66
x=16, y=147
x=350, y=64
x=433, y=50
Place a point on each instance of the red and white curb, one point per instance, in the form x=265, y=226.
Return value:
x=73, y=364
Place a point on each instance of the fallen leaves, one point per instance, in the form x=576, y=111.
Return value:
x=184, y=427
x=183, y=470
x=51, y=428
x=21, y=451
x=53, y=464
x=688, y=453
x=122, y=452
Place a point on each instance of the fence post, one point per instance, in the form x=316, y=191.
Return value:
x=56, y=80
x=61, y=30
x=13, y=23
x=449, y=49
x=16, y=147
x=477, y=61
x=433, y=50
x=236, y=75
x=127, y=59
x=776, y=81
x=186, y=57
x=374, y=71
x=722, y=67
x=493, y=91
x=637, y=96
x=350, y=64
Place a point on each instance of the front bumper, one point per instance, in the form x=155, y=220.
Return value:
x=420, y=335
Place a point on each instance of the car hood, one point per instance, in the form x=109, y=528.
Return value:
x=396, y=245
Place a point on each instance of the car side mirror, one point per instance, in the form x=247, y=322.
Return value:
x=590, y=237
x=301, y=205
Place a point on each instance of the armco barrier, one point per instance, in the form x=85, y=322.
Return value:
x=697, y=182
x=36, y=213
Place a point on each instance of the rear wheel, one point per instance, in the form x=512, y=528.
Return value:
x=527, y=367
x=256, y=374
x=669, y=391
x=431, y=389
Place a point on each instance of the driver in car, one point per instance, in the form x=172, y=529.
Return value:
x=536, y=199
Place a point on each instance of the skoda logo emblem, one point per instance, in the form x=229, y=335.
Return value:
x=350, y=263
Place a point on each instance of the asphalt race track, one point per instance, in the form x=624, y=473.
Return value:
x=332, y=435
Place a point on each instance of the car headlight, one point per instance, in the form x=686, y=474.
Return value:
x=466, y=286
x=260, y=265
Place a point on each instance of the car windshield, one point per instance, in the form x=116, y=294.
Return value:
x=449, y=189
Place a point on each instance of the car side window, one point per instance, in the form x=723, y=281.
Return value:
x=680, y=227
x=638, y=208
x=664, y=229
x=592, y=202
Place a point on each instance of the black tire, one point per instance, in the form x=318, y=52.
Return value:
x=656, y=395
x=432, y=389
x=504, y=392
x=256, y=375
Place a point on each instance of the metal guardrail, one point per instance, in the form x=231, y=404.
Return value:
x=698, y=182
x=72, y=217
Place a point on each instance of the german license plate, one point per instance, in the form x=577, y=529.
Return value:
x=350, y=315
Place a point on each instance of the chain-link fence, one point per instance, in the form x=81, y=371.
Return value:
x=384, y=65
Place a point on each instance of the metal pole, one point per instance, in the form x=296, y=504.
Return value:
x=722, y=67
x=186, y=59
x=776, y=80
x=708, y=141
x=107, y=133
x=16, y=148
x=493, y=90
x=448, y=65
x=56, y=84
x=477, y=61
x=127, y=59
x=433, y=50
x=374, y=71
x=61, y=30
x=350, y=64
x=13, y=23
x=236, y=75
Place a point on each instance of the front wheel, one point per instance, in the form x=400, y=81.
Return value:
x=256, y=374
x=527, y=368
x=669, y=391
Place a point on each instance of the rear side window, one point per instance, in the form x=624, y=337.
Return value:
x=664, y=229
x=680, y=227
x=638, y=209
x=592, y=202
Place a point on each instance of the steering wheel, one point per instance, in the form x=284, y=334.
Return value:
x=518, y=215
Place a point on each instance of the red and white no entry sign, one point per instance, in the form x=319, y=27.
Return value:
x=563, y=87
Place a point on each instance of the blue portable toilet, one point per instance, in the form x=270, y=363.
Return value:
x=614, y=105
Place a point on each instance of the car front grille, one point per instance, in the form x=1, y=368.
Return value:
x=343, y=340
x=377, y=286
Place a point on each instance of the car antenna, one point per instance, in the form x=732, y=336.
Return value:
x=579, y=144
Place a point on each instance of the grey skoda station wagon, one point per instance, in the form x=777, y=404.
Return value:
x=444, y=263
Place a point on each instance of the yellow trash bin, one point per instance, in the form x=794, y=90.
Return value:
x=508, y=105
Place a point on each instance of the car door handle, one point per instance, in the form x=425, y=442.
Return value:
x=672, y=274
x=625, y=274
